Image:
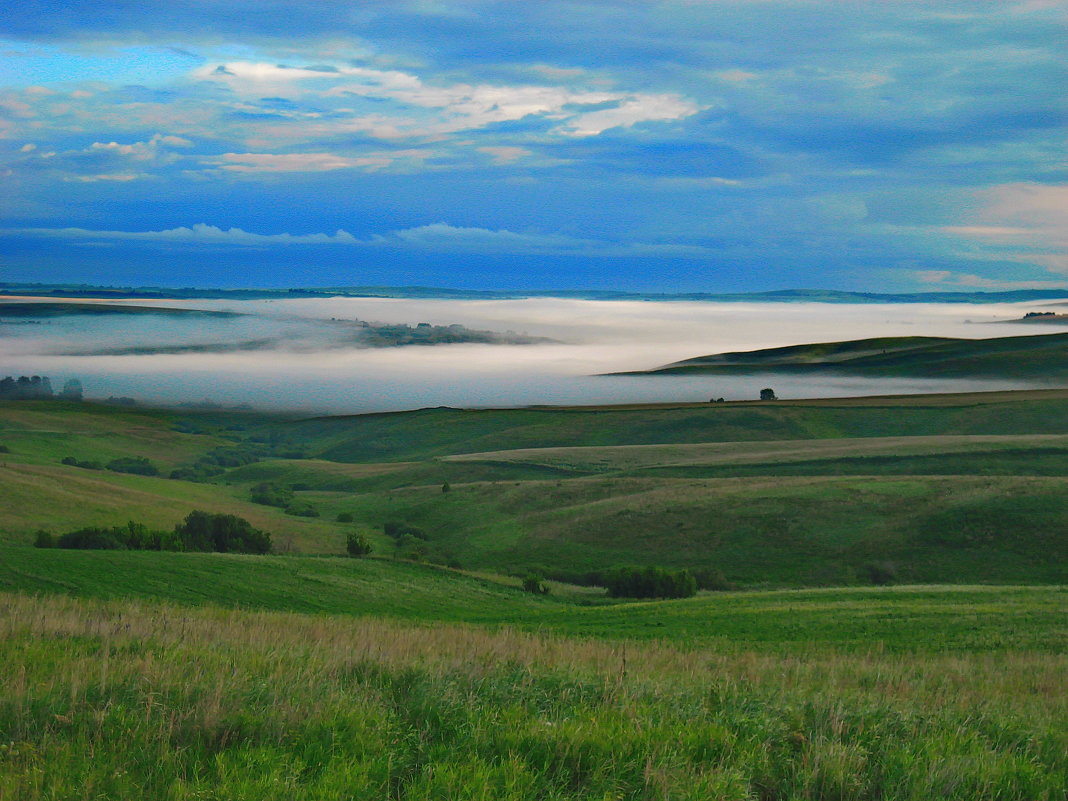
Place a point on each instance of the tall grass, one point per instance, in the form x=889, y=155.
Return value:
x=150, y=701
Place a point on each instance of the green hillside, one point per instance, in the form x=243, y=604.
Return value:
x=907, y=618
x=946, y=489
x=1040, y=357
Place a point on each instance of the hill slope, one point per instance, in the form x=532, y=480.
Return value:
x=1040, y=357
x=967, y=488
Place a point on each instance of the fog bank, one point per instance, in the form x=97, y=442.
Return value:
x=302, y=362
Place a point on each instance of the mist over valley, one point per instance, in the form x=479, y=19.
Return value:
x=350, y=355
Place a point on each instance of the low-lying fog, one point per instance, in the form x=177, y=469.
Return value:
x=299, y=359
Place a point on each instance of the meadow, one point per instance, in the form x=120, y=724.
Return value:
x=310, y=675
x=130, y=699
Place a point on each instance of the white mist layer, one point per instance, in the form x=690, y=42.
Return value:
x=313, y=368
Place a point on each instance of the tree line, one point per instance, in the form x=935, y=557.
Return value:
x=199, y=531
x=35, y=387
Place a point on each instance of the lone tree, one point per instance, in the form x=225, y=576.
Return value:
x=357, y=545
x=767, y=394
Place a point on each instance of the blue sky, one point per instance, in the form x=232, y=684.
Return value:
x=696, y=145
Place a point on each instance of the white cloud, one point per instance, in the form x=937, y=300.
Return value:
x=200, y=233
x=504, y=154
x=1021, y=222
x=149, y=150
x=119, y=177
x=430, y=110
x=442, y=237
x=293, y=162
x=435, y=238
x=632, y=110
x=949, y=280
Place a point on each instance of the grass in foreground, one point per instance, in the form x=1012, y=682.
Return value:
x=135, y=700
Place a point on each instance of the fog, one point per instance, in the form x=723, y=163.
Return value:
x=289, y=354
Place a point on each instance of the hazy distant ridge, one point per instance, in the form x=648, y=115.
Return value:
x=773, y=296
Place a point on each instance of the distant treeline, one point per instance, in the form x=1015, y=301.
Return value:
x=200, y=531
x=631, y=579
x=36, y=387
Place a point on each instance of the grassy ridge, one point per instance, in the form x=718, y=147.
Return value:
x=429, y=433
x=1037, y=356
x=225, y=705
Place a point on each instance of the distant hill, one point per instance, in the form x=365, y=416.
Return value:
x=45, y=309
x=1037, y=357
x=772, y=296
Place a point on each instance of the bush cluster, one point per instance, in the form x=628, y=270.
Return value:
x=85, y=464
x=215, y=462
x=357, y=545
x=137, y=465
x=397, y=530
x=200, y=531
x=649, y=582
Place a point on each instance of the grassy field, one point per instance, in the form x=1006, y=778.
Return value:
x=957, y=489
x=907, y=618
x=128, y=699
x=196, y=677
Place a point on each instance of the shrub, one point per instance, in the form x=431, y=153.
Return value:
x=133, y=536
x=650, y=582
x=711, y=578
x=398, y=530
x=138, y=465
x=44, y=539
x=881, y=573
x=204, y=531
x=84, y=464
x=534, y=583
x=5, y=449
x=91, y=538
x=270, y=494
x=357, y=545
x=344, y=517
x=302, y=509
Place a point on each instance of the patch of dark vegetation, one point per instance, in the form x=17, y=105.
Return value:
x=85, y=464
x=534, y=583
x=396, y=530
x=302, y=509
x=649, y=582
x=199, y=531
x=138, y=465
x=271, y=494
x=357, y=544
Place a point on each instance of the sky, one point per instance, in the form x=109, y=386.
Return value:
x=684, y=145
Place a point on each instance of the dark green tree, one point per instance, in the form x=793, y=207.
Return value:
x=357, y=544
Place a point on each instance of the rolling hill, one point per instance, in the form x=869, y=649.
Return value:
x=957, y=489
x=1041, y=357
